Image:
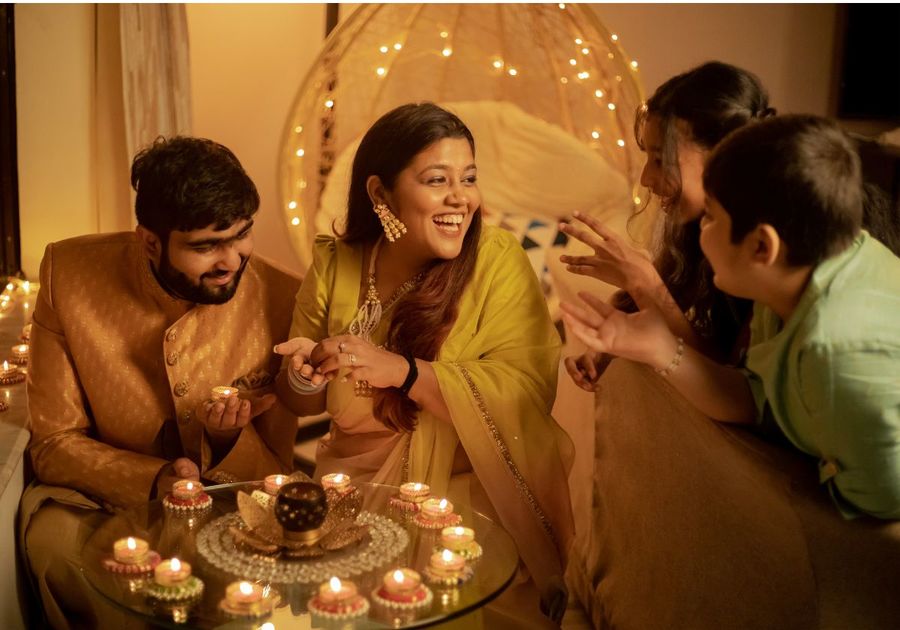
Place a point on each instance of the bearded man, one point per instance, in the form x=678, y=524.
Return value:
x=130, y=333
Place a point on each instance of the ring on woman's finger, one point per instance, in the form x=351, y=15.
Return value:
x=352, y=359
x=341, y=346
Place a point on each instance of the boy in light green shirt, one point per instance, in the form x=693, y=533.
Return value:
x=782, y=227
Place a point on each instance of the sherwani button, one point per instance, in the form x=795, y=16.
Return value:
x=181, y=388
x=172, y=358
x=172, y=335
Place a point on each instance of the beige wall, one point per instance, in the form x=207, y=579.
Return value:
x=247, y=61
x=789, y=46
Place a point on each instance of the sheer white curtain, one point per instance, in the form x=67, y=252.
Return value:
x=155, y=72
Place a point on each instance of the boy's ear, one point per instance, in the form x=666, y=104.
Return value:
x=376, y=190
x=764, y=244
x=150, y=242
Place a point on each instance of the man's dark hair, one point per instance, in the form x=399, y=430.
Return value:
x=188, y=184
x=800, y=174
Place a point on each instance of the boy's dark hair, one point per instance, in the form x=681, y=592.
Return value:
x=800, y=174
x=187, y=184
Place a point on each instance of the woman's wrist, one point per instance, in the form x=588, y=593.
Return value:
x=646, y=287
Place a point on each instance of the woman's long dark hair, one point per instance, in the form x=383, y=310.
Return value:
x=423, y=318
x=710, y=100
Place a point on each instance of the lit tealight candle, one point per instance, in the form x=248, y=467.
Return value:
x=7, y=371
x=414, y=492
x=447, y=562
x=223, y=393
x=437, y=508
x=171, y=572
x=20, y=353
x=131, y=550
x=186, y=489
x=401, y=581
x=336, y=481
x=273, y=483
x=457, y=538
x=243, y=593
x=335, y=591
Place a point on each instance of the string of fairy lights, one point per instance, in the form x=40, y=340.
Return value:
x=590, y=60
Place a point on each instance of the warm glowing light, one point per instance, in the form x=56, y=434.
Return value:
x=620, y=142
x=339, y=477
x=595, y=135
x=444, y=34
x=563, y=80
x=302, y=183
x=443, y=504
x=295, y=221
x=584, y=75
x=398, y=46
x=447, y=52
x=447, y=555
x=175, y=564
x=598, y=93
x=585, y=51
x=497, y=64
x=298, y=129
x=267, y=626
x=612, y=107
x=292, y=205
x=417, y=487
x=301, y=152
x=335, y=584
x=578, y=41
x=398, y=575
x=384, y=49
x=618, y=78
x=562, y=5
x=329, y=103
x=26, y=286
x=190, y=484
x=615, y=37
x=637, y=201
x=513, y=72
x=10, y=286
x=460, y=531
x=130, y=543
x=572, y=62
x=380, y=71
x=610, y=55
x=246, y=588
x=634, y=64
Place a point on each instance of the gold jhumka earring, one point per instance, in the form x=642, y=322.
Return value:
x=393, y=227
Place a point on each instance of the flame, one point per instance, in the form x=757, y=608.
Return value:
x=246, y=588
x=398, y=576
x=190, y=485
x=175, y=564
x=443, y=504
x=279, y=479
x=447, y=555
x=417, y=487
x=335, y=583
x=338, y=478
x=131, y=543
x=460, y=531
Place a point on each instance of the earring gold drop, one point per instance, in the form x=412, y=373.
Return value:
x=393, y=227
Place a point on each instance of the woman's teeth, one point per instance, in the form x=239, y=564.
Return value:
x=449, y=219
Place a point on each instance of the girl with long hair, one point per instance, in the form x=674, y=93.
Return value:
x=432, y=340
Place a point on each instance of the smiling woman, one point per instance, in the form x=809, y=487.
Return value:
x=433, y=341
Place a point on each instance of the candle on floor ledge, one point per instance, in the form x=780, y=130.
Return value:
x=462, y=541
x=338, y=599
x=338, y=482
x=272, y=483
x=246, y=599
x=223, y=393
x=172, y=581
x=437, y=514
x=11, y=374
x=20, y=353
x=187, y=496
x=402, y=589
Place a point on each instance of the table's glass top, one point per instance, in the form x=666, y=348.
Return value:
x=189, y=538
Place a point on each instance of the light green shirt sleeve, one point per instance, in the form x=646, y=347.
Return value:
x=854, y=393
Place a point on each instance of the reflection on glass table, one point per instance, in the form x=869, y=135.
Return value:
x=208, y=542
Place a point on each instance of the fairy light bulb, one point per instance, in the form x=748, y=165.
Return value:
x=612, y=107
x=398, y=46
x=620, y=142
x=444, y=34
x=298, y=129
x=637, y=201
x=497, y=64
x=301, y=152
x=329, y=103
x=295, y=221
x=384, y=49
x=598, y=93
x=585, y=51
x=513, y=72
x=584, y=75
x=614, y=37
x=563, y=80
x=572, y=62
x=595, y=135
x=292, y=205
x=610, y=55
x=562, y=5
x=634, y=65
x=447, y=52
x=380, y=71
x=578, y=41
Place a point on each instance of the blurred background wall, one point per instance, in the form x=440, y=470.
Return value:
x=247, y=62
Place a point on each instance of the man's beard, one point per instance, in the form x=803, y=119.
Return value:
x=179, y=285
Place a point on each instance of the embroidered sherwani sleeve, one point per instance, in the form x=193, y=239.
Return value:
x=63, y=447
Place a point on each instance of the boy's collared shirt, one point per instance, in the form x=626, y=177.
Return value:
x=830, y=375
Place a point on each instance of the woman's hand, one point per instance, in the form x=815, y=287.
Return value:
x=586, y=369
x=300, y=349
x=614, y=261
x=231, y=414
x=642, y=336
x=366, y=362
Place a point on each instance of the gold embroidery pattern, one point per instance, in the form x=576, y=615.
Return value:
x=506, y=456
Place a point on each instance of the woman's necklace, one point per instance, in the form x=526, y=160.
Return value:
x=369, y=315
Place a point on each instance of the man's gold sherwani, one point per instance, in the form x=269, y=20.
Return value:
x=117, y=369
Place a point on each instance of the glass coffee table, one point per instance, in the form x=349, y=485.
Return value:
x=202, y=540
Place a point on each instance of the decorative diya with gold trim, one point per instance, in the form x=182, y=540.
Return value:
x=303, y=521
